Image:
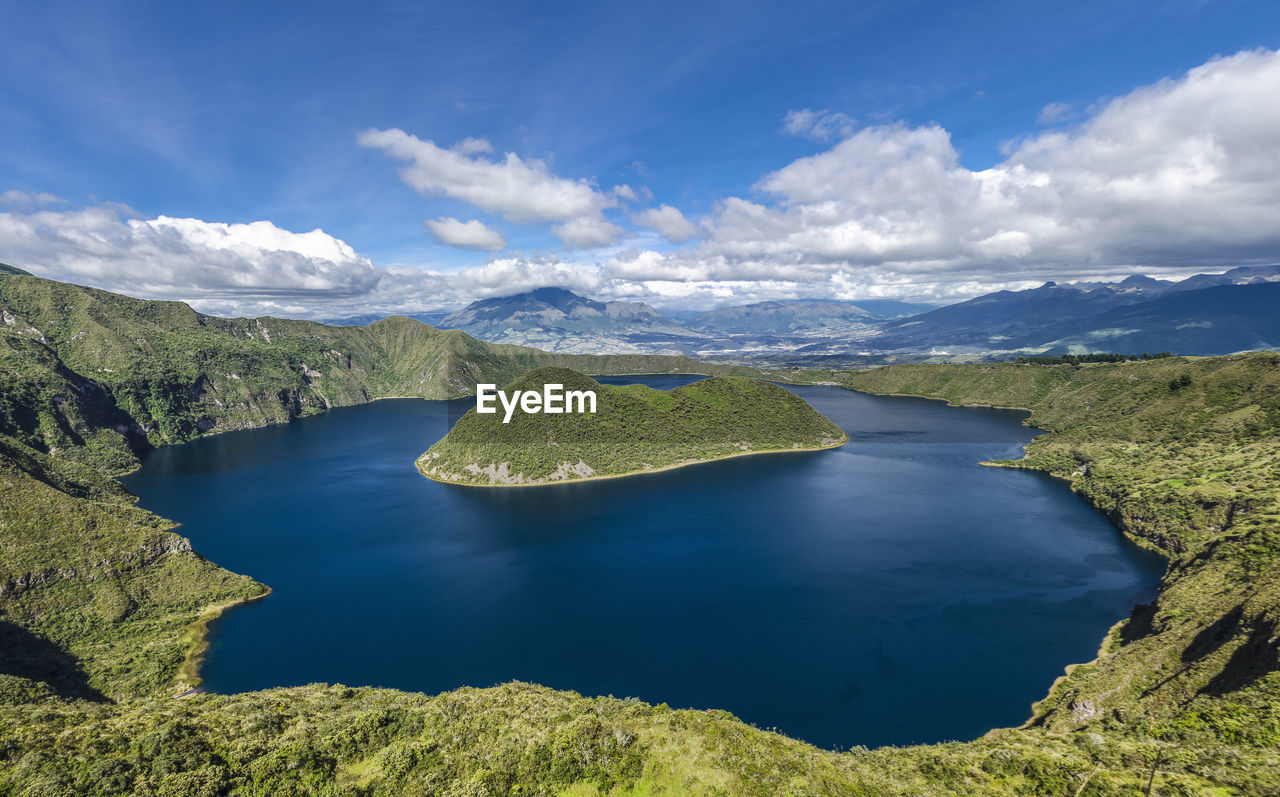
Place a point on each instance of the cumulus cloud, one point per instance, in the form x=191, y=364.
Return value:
x=651, y=266
x=472, y=146
x=672, y=280
x=521, y=191
x=465, y=234
x=823, y=126
x=253, y=269
x=588, y=233
x=505, y=276
x=183, y=258
x=260, y=269
x=668, y=222
x=1177, y=175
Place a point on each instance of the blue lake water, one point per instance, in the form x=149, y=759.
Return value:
x=891, y=591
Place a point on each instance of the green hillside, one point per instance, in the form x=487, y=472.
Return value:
x=635, y=428
x=95, y=594
x=98, y=376
x=102, y=604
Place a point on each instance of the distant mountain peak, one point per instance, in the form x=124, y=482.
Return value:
x=553, y=291
x=559, y=319
x=1141, y=279
x=1130, y=314
x=559, y=298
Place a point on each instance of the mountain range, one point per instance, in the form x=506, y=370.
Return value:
x=1204, y=314
x=1237, y=310
x=558, y=320
x=554, y=319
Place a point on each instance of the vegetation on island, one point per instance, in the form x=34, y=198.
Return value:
x=634, y=429
x=100, y=602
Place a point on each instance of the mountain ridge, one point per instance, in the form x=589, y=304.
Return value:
x=1052, y=318
x=1062, y=319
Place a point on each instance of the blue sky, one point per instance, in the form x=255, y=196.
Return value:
x=237, y=113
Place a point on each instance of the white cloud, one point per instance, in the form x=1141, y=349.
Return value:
x=667, y=221
x=647, y=266
x=465, y=234
x=1054, y=112
x=1181, y=174
x=472, y=146
x=260, y=269
x=1176, y=177
x=253, y=269
x=505, y=276
x=823, y=126
x=182, y=258
x=251, y=241
x=588, y=233
x=23, y=200
x=521, y=191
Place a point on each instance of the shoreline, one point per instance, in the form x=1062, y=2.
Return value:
x=199, y=629
x=195, y=637
x=632, y=472
x=1104, y=647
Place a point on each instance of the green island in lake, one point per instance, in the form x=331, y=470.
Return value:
x=634, y=429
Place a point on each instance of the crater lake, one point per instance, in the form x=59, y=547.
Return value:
x=892, y=591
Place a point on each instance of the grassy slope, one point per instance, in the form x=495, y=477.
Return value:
x=635, y=428
x=94, y=592
x=97, y=592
